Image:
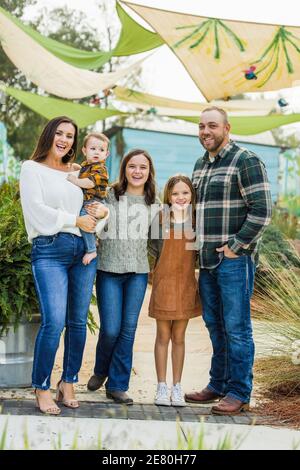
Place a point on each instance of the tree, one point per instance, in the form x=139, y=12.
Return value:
x=17, y=7
x=22, y=124
x=73, y=28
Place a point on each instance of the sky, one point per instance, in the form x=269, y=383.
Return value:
x=163, y=74
x=254, y=10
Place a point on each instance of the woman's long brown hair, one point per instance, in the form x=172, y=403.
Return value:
x=120, y=187
x=47, y=137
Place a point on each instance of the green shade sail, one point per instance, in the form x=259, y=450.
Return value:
x=49, y=108
x=250, y=125
x=84, y=115
x=133, y=39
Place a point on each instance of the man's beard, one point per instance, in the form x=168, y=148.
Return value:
x=217, y=143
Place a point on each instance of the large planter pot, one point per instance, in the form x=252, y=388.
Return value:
x=16, y=354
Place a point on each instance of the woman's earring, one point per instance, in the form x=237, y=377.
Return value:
x=71, y=154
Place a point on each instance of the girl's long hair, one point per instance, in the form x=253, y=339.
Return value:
x=47, y=137
x=120, y=187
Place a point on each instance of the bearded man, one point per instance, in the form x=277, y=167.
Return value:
x=233, y=208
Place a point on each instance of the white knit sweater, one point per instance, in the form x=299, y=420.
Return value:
x=50, y=203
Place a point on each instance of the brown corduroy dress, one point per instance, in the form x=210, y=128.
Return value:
x=175, y=293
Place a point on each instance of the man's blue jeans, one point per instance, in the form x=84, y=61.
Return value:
x=120, y=298
x=64, y=288
x=225, y=293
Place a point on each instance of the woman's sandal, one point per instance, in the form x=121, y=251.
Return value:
x=68, y=402
x=50, y=410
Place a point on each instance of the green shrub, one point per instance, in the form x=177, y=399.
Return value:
x=292, y=203
x=287, y=222
x=277, y=248
x=17, y=294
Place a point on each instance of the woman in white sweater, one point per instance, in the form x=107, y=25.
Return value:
x=51, y=207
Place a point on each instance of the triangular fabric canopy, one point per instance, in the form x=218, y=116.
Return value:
x=49, y=108
x=50, y=73
x=85, y=115
x=133, y=39
x=226, y=58
x=164, y=106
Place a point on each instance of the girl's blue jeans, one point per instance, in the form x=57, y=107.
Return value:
x=120, y=298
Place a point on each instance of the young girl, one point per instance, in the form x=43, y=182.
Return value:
x=174, y=299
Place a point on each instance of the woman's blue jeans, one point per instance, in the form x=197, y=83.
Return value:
x=64, y=288
x=120, y=298
x=225, y=292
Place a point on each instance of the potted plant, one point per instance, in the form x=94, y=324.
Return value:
x=19, y=318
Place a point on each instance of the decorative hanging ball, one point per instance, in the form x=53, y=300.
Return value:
x=152, y=111
x=249, y=73
x=95, y=100
x=282, y=102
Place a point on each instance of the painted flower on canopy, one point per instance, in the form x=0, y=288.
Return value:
x=277, y=55
x=202, y=32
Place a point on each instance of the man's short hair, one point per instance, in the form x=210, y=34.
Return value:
x=219, y=110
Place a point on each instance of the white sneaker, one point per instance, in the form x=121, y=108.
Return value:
x=177, y=397
x=162, y=395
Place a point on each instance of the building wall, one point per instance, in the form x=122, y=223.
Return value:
x=176, y=153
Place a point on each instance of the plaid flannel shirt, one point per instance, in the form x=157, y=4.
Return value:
x=97, y=173
x=233, y=203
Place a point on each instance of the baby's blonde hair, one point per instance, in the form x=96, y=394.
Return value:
x=97, y=135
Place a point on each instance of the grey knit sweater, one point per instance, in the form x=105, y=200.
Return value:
x=123, y=243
